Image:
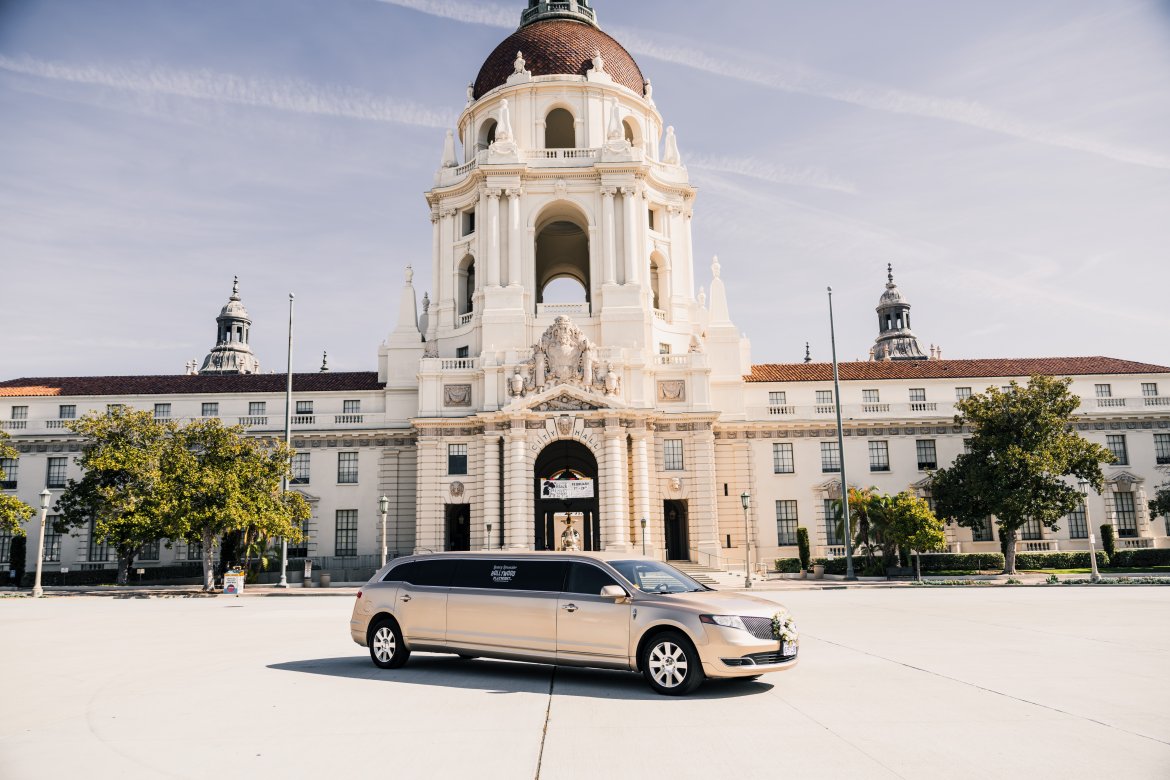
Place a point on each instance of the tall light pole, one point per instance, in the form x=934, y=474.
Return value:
x=384, y=508
x=287, y=438
x=849, y=575
x=488, y=544
x=38, y=591
x=1096, y=576
x=745, y=498
x=643, y=537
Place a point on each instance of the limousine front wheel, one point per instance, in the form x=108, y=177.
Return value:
x=671, y=664
x=386, y=646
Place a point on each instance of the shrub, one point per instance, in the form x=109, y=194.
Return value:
x=788, y=565
x=964, y=562
x=154, y=575
x=1138, y=558
x=1058, y=560
x=17, y=550
x=1107, y=541
x=803, y=548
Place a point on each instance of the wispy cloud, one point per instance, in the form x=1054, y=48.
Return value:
x=798, y=79
x=282, y=95
x=767, y=171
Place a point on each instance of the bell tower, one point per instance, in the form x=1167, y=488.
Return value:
x=231, y=353
x=895, y=340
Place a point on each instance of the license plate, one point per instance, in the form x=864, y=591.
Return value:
x=787, y=649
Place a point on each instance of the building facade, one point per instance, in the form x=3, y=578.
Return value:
x=573, y=377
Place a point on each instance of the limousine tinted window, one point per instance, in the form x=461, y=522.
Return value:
x=427, y=573
x=516, y=574
x=655, y=577
x=587, y=580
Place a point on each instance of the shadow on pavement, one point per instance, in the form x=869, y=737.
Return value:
x=502, y=677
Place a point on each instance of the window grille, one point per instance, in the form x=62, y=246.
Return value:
x=347, y=468
x=830, y=457
x=345, y=537
x=879, y=456
x=56, y=473
x=673, y=455
x=300, y=468
x=1116, y=444
x=786, y=522
x=457, y=459
x=782, y=460
x=927, y=455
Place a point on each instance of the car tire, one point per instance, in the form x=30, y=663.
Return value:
x=387, y=650
x=671, y=665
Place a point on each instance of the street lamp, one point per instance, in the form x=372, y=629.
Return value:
x=1084, y=487
x=643, y=537
x=38, y=591
x=745, y=498
x=488, y=543
x=383, y=507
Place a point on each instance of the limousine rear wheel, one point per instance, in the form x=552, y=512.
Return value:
x=671, y=664
x=387, y=649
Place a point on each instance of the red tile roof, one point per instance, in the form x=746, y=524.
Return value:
x=188, y=385
x=950, y=369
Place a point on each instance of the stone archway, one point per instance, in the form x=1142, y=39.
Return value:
x=566, y=487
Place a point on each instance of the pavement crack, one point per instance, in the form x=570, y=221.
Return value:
x=544, y=731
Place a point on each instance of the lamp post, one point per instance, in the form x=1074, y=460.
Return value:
x=288, y=388
x=1096, y=576
x=745, y=498
x=38, y=591
x=383, y=507
x=488, y=542
x=849, y=575
x=643, y=537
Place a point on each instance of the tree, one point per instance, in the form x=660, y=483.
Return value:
x=914, y=526
x=121, y=488
x=13, y=512
x=1160, y=505
x=219, y=480
x=1022, y=453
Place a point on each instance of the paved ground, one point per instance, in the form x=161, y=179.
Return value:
x=915, y=683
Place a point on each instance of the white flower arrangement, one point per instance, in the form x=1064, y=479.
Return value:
x=784, y=628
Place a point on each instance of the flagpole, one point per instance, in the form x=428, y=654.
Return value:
x=849, y=575
x=287, y=438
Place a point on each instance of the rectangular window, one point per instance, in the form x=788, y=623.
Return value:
x=1149, y=389
x=1077, y=527
x=8, y=479
x=67, y=412
x=663, y=348
x=56, y=473
x=870, y=397
x=982, y=533
x=469, y=222
x=917, y=395
x=1104, y=391
x=786, y=523
x=830, y=457
x=927, y=455
x=777, y=399
x=162, y=411
x=1116, y=445
x=5, y=546
x=832, y=533
x=111, y=408
x=968, y=444
x=98, y=551
x=962, y=393
x=257, y=408
x=20, y=413
x=210, y=410
x=1032, y=531
x=150, y=551
x=195, y=551
x=782, y=461
x=1162, y=448
x=345, y=537
x=673, y=455
x=879, y=456
x=304, y=408
x=52, y=542
x=824, y=397
x=457, y=459
x=1126, y=510
x=351, y=407
x=300, y=468
x=462, y=353
x=347, y=468
x=650, y=213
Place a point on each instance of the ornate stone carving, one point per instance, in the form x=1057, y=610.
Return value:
x=563, y=356
x=457, y=395
x=672, y=391
x=565, y=403
x=520, y=65
x=457, y=490
x=565, y=424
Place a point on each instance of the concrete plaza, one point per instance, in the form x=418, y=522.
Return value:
x=908, y=682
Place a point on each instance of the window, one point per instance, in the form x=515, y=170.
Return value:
x=673, y=452
x=514, y=574
x=98, y=551
x=67, y=412
x=1162, y=448
x=1116, y=445
x=5, y=546
x=9, y=467
x=56, y=473
x=304, y=408
x=832, y=532
x=968, y=445
x=587, y=580
x=1126, y=511
x=663, y=348
x=432, y=574
x=162, y=411
x=1077, y=527
x=195, y=551
x=20, y=413
x=879, y=456
x=210, y=410
x=1104, y=391
x=1032, y=531
x=786, y=523
x=463, y=353
x=457, y=459
x=824, y=397
x=650, y=213
x=347, y=468
x=962, y=393
x=830, y=457
x=300, y=468
x=150, y=551
x=1149, y=390
x=782, y=462
x=257, y=408
x=777, y=399
x=870, y=396
x=345, y=538
x=927, y=455
x=351, y=407
x=469, y=222
x=918, y=395
x=982, y=532
x=111, y=408
x=52, y=542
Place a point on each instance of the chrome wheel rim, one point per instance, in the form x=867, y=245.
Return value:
x=668, y=664
x=385, y=644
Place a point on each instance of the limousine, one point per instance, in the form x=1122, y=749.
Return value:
x=571, y=609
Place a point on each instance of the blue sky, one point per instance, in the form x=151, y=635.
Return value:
x=1010, y=158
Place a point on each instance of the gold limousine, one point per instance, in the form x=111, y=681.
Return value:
x=571, y=609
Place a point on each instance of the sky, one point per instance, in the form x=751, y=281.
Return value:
x=1010, y=158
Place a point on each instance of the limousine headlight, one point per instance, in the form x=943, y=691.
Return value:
x=727, y=621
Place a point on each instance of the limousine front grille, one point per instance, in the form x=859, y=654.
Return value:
x=763, y=659
x=760, y=628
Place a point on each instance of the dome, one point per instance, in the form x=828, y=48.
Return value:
x=892, y=296
x=554, y=47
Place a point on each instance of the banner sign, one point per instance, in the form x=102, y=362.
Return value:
x=564, y=489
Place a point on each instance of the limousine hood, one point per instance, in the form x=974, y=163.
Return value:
x=713, y=602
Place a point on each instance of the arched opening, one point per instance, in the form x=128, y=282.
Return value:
x=632, y=134
x=562, y=255
x=658, y=272
x=560, y=130
x=465, y=285
x=487, y=134
x=567, y=498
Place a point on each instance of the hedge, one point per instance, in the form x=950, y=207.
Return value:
x=788, y=565
x=1058, y=560
x=153, y=575
x=931, y=562
x=1138, y=558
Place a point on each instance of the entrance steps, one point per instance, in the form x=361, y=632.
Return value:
x=697, y=572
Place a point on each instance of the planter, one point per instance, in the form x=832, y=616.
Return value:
x=818, y=571
x=804, y=574
x=326, y=579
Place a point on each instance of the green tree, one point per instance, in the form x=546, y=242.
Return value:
x=1023, y=453
x=219, y=480
x=1160, y=505
x=121, y=488
x=13, y=512
x=914, y=526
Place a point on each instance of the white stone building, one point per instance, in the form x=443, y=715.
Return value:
x=496, y=417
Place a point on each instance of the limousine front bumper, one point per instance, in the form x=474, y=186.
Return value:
x=731, y=652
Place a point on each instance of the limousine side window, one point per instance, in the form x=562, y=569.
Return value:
x=435, y=574
x=587, y=580
x=517, y=574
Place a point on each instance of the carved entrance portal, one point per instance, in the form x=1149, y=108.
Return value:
x=566, y=490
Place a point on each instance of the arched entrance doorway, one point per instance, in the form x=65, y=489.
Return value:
x=566, y=491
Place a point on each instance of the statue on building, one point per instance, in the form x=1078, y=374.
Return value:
x=598, y=61
x=613, y=382
x=520, y=65
x=671, y=156
x=504, y=124
x=563, y=356
x=570, y=537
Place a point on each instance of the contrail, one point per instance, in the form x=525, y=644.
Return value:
x=297, y=96
x=806, y=81
x=765, y=170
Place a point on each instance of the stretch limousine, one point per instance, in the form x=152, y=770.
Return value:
x=571, y=609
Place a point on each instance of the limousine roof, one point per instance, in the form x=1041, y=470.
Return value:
x=596, y=556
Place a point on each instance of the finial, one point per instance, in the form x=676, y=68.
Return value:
x=324, y=362
x=807, y=353
x=520, y=64
x=598, y=61
x=716, y=268
x=702, y=297
x=890, y=270
x=235, y=288
x=426, y=302
x=410, y=274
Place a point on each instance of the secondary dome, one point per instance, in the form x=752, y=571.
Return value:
x=558, y=47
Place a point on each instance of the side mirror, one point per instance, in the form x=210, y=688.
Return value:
x=615, y=592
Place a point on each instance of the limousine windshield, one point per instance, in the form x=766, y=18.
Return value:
x=654, y=577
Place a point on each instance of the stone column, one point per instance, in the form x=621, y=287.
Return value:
x=608, y=235
x=519, y=533
x=704, y=507
x=429, y=518
x=515, y=279
x=642, y=493
x=436, y=271
x=616, y=532
x=493, y=227
x=629, y=200
x=491, y=489
x=445, y=294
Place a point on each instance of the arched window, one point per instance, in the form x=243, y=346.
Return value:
x=560, y=130
x=659, y=278
x=487, y=134
x=654, y=283
x=465, y=285
x=631, y=134
x=562, y=256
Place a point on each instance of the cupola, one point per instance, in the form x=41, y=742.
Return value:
x=231, y=353
x=895, y=341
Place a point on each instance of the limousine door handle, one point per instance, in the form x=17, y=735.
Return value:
x=570, y=607
x=406, y=598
